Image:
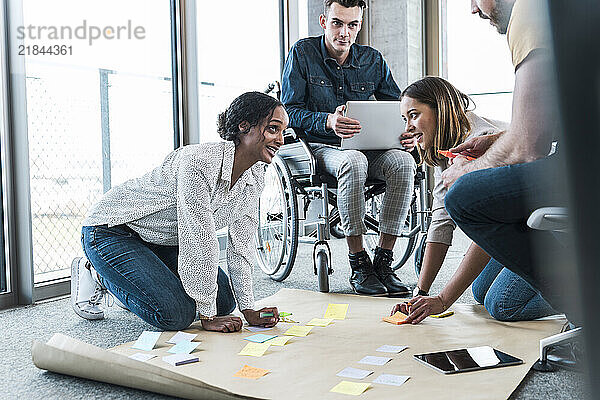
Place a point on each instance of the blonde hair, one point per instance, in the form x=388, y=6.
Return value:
x=450, y=105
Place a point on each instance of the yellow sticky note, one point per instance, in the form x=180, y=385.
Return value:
x=254, y=349
x=352, y=388
x=279, y=340
x=251, y=372
x=336, y=311
x=320, y=321
x=298, y=330
x=443, y=315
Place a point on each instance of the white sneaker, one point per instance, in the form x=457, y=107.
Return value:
x=86, y=292
x=110, y=298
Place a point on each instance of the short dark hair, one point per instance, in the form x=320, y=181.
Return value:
x=252, y=107
x=344, y=3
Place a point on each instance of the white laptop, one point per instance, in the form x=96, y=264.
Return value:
x=381, y=124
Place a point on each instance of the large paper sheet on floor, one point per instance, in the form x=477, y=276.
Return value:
x=306, y=367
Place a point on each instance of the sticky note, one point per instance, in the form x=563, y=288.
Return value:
x=336, y=311
x=388, y=348
x=397, y=319
x=298, y=330
x=180, y=359
x=352, y=388
x=251, y=372
x=183, y=347
x=443, y=315
x=146, y=341
x=182, y=337
x=449, y=154
x=256, y=328
x=259, y=338
x=374, y=360
x=254, y=349
x=389, y=379
x=320, y=321
x=279, y=340
x=142, y=357
x=354, y=373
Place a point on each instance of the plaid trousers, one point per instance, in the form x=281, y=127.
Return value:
x=352, y=167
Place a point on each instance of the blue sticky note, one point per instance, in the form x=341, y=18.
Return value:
x=183, y=347
x=147, y=340
x=260, y=338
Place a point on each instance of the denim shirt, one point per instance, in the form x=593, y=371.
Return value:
x=313, y=84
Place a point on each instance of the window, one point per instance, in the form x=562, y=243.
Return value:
x=477, y=60
x=238, y=51
x=97, y=114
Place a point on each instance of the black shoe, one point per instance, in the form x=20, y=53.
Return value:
x=381, y=264
x=363, y=279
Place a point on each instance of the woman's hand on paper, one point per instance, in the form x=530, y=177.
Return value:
x=223, y=324
x=420, y=307
x=253, y=317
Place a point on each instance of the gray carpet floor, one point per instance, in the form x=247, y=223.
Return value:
x=20, y=326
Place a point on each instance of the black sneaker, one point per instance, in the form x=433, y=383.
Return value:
x=363, y=279
x=381, y=264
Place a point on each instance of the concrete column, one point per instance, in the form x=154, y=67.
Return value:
x=395, y=29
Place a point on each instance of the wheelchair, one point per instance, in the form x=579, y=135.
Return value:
x=292, y=183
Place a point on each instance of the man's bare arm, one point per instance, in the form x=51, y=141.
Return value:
x=534, y=116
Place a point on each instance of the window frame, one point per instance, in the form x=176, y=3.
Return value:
x=14, y=152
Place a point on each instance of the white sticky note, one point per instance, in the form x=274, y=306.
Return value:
x=180, y=359
x=182, y=337
x=142, y=357
x=388, y=348
x=388, y=379
x=354, y=373
x=256, y=328
x=374, y=360
x=184, y=347
x=146, y=341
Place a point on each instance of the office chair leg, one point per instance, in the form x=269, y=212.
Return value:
x=546, y=344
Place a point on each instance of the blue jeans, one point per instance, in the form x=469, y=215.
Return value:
x=143, y=276
x=507, y=297
x=492, y=206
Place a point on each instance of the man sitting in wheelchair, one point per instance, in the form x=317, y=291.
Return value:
x=321, y=74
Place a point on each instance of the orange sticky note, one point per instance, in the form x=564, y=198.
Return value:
x=449, y=154
x=251, y=372
x=397, y=319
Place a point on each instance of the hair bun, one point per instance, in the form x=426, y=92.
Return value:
x=221, y=124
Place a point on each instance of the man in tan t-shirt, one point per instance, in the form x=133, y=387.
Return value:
x=491, y=198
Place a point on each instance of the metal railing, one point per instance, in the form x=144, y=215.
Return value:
x=71, y=162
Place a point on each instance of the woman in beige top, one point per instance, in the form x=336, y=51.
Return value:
x=438, y=116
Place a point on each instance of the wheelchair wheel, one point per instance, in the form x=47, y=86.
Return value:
x=404, y=244
x=419, y=254
x=277, y=233
x=322, y=265
x=336, y=229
